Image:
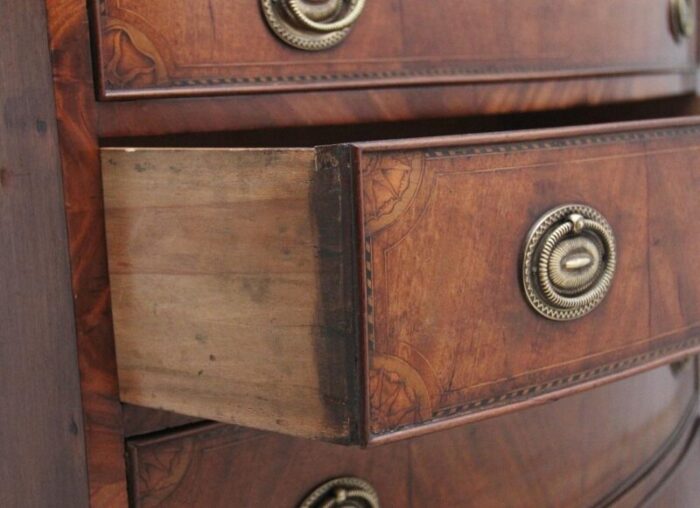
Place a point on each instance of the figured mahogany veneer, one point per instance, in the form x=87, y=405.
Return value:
x=609, y=445
x=368, y=292
x=179, y=47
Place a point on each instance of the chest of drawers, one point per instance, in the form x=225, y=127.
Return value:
x=323, y=252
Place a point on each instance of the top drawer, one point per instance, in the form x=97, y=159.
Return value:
x=362, y=292
x=185, y=47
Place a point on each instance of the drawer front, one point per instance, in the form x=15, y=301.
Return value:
x=178, y=47
x=577, y=452
x=449, y=330
x=364, y=293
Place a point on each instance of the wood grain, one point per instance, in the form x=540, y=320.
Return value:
x=77, y=119
x=648, y=485
x=348, y=107
x=42, y=452
x=163, y=48
x=218, y=261
x=571, y=453
x=449, y=331
x=83, y=121
x=443, y=220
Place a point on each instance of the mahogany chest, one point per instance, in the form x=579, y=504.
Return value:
x=350, y=253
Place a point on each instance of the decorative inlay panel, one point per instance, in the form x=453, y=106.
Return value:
x=397, y=394
x=130, y=58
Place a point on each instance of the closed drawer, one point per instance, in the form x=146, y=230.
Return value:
x=580, y=452
x=178, y=47
x=365, y=292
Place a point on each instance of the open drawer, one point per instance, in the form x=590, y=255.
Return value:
x=365, y=292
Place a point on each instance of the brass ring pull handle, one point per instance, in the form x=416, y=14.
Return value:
x=569, y=262
x=355, y=9
x=683, y=18
x=342, y=493
x=312, y=25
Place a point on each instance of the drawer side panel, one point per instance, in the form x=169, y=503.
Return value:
x=217, y=259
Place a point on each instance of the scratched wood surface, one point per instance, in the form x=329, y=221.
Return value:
x=176, y=47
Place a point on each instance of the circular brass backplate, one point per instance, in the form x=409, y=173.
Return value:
x=311, y=25
x=569, y=261
x=345, y=492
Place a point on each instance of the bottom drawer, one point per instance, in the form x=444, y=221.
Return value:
x=576, y=452
x=363, y=293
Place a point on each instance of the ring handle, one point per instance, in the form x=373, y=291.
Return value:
x=569, y=262
x=683, y=18
x=347, y=492
x=355, y=9
x=312, y=25
x=601, y=284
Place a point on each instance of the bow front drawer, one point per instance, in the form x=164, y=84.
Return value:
x=361, y=293
x=181, y=47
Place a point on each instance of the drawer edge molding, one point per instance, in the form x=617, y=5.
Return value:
x=439, y=77
x=549, y=392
